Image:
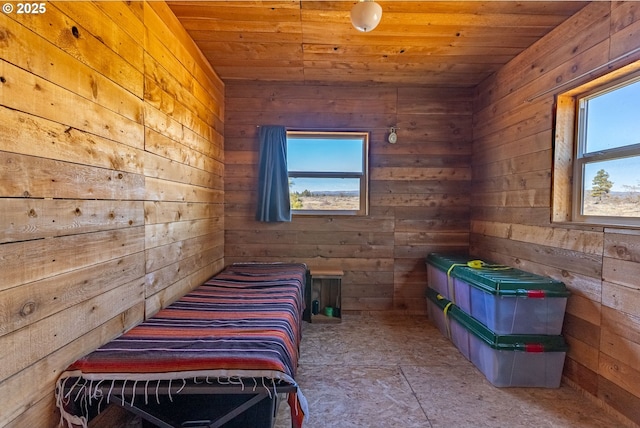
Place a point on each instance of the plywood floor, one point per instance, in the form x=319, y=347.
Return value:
x=373, y=371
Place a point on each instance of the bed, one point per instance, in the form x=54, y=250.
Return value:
x=225, y=351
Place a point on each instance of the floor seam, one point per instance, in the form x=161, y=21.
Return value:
x=415, y=395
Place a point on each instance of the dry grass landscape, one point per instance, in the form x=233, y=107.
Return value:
x=616, y=204
x=327, y=202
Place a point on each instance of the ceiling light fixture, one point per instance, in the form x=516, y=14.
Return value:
x=366, y=15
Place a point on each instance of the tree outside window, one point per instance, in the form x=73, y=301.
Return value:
x=601, y=185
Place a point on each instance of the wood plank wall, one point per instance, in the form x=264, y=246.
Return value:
x=419, y=186
x=111, y=185
x=512, y=161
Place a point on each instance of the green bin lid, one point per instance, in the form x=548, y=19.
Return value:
x=503, y=342
x=445, y=261
x=498, y=279
x=512, y=282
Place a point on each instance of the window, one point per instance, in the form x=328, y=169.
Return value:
x=597, y=153
x=328, y=172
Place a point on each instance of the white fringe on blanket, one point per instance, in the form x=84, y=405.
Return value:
x=87, y=390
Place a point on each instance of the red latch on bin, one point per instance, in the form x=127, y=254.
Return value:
x=536, y=294
x=534, y=347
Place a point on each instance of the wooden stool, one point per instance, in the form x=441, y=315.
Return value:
x=326, y=290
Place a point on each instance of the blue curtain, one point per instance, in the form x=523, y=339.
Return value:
x=273, y=178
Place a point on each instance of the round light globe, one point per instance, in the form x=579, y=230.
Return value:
x=366, y=15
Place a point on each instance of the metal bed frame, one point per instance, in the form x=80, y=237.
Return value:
x=196, y=405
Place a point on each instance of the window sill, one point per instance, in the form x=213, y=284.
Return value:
x=594, y=227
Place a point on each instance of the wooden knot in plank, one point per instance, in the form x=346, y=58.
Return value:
x=28, y=308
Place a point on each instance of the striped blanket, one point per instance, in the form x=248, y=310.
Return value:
x=243, y=324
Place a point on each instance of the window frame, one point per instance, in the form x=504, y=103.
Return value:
x=363, y=176
x=570, y=155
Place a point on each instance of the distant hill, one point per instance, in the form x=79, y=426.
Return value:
x=331, y=192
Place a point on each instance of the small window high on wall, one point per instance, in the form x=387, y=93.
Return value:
x=597, y=152
x=328, y=172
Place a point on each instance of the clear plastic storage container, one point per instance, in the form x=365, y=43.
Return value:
x=505, y=360
x=505, y=299
x=439, y=277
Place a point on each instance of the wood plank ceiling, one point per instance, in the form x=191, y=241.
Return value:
x=418, y=43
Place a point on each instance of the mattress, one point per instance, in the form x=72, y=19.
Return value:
x=242, y=327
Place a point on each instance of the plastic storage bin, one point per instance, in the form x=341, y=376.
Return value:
x=439, y=268
x=438, y=310
x=505, y=360
x=505, y=299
